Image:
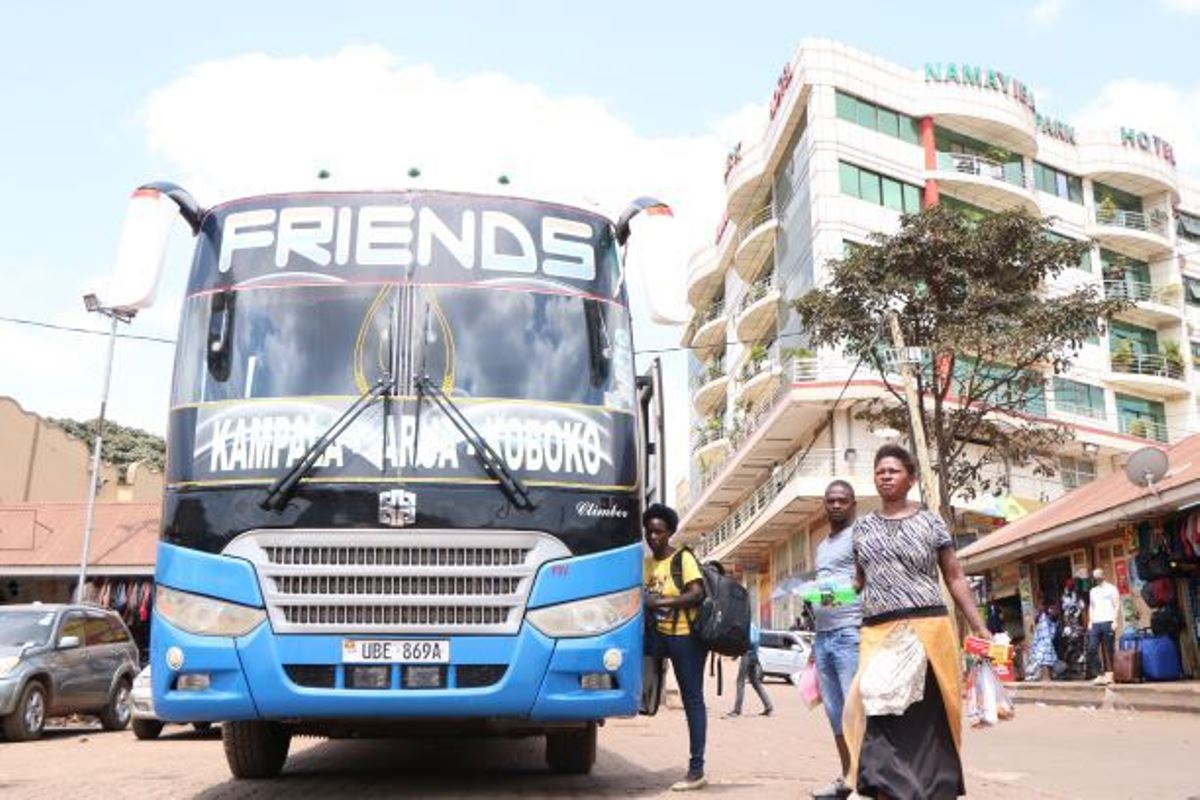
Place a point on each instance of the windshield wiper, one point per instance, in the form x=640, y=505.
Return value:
x=285, y=486
x=491, y=461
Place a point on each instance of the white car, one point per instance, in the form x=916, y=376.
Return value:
x=784, y=654
x=145, y=724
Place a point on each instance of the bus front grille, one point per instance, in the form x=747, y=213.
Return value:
x=396, y=582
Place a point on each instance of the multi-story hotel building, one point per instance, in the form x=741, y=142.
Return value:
x=851, y=143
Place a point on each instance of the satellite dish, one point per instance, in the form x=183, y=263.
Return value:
x=1146, y=467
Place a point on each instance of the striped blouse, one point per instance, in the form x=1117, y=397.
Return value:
x=899, y=558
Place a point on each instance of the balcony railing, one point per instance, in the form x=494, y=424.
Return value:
x=983, y=167
x=1132, y=220
x=760, y=217
x=1144, y=428
x=707, y=435
x=1147, y=364
x=709, y=373
x=757, y=291
x=752, y=366
x=816, y=463
x=711, y=312
x=1140, y=292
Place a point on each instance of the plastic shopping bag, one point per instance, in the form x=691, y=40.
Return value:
x=810, y=686
x=987, y=701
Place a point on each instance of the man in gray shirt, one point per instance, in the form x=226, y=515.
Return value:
x=836, y=647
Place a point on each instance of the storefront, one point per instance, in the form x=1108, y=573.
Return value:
x=1146, y=542
x=41, y=545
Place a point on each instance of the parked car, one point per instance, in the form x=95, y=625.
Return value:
x=63, y=659
x=145, y=724
x=783, y=654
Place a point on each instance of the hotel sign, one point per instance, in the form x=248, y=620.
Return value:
x=996, y=81
x=1149, y=143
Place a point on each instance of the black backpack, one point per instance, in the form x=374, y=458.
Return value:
x=722, y=621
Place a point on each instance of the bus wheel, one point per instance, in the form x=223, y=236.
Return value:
x=147, y=728
x=255, y=749
x=572, y=751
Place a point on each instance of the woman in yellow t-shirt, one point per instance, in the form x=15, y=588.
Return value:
x=672, y=605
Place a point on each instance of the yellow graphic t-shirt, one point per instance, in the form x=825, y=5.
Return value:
x=658, y=580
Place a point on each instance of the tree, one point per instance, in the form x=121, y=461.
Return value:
x=972, y=295
x=121, y=445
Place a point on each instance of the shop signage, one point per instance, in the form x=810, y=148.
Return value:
x=1121, y=572
x=1131, y=137
x=996, y=81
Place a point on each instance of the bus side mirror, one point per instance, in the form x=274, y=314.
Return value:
x=220, y=334
x=142, y=248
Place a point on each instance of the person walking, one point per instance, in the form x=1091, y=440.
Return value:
x=835, y=648
x=903, y=717
x=671, y=603
x=1104, y=601
x=750, y=669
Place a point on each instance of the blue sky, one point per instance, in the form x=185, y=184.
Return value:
x=100, y=97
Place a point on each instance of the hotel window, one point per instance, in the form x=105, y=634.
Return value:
x=1140, y=417
x=877, y=118
x=1196, y=354
x=1081, y=399
x=1058, y=183
x=1076, y=471
x=1121, y=201
x=878, y=189
x=1085, y=260
x=1188, y=226
x=1191, y=290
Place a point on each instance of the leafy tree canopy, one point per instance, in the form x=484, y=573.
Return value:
x=121, y=445
x=977, y=297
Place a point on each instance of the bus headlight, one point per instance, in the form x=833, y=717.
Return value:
x=205, y=616
x=589, y=617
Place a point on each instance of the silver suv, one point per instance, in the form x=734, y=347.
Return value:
x=63, y=659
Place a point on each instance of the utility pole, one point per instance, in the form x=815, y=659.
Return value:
x=925, y=471
x=115, y=317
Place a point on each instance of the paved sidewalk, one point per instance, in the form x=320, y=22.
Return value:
x=1048, y=753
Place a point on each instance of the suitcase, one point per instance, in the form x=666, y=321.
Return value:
x=1160, y=658
x=1127, y=665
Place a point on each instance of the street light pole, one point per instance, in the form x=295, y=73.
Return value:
x=95, y=480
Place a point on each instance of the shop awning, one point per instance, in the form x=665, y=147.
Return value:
x=1091, y=509
x=46, y=539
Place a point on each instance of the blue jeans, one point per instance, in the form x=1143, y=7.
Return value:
x=687, y=661
x=1100, y=635
x=836, y=654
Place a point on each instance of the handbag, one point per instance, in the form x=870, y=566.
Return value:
x=810, y=685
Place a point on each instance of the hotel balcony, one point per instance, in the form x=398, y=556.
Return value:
x=704, y=275
x=1144, y=429
x=710, y=324
x=1153, y=305
x=1148, y=373
x=790, y=494
x=985, y=183
x=756, y=242
x=758, y=377
x=710, y=442
x=757, y=309
x=708, y=387
x=1140, y=235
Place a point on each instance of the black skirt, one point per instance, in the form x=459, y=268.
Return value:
x=912, y=756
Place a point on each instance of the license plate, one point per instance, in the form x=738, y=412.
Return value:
x=395, y=651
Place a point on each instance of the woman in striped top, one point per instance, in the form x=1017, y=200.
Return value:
x=903, y=717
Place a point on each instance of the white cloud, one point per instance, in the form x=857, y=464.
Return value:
x=1186, y=6
x=255, y=123
x=1172, y=112
x=1046, y=12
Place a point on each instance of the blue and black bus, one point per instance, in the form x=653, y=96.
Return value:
x=407, y=455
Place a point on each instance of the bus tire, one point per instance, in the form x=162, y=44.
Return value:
x=146, y=729
x=255, y=749
x=573, y=751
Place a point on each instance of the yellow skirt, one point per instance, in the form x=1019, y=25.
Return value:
x=938, y=637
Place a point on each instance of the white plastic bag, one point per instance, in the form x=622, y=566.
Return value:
x=894, y=678
x=987, y=701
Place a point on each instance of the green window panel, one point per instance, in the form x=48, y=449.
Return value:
x=1116, y=264
x=847, y=107
x=1124, y=201
x=1191, y=290
x=912, y=198
x=893, y=194
x=877, y=118
x=1075, y=397
x=1058, y=183
x=878, y=189
x=1143, y=340
x=848, y=178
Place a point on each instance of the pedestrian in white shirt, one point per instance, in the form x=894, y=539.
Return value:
x=1104, y=601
